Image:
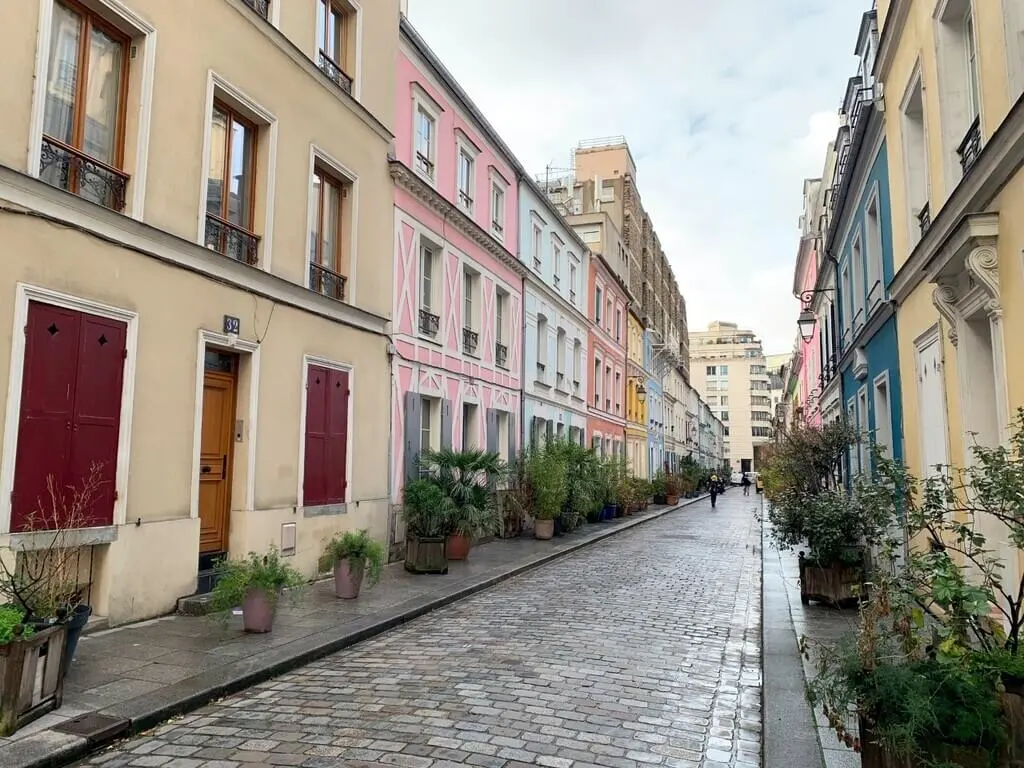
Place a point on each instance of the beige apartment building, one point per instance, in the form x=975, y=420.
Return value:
x=729, y=371
x=196, y=280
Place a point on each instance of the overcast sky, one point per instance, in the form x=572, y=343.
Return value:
x=727, y=106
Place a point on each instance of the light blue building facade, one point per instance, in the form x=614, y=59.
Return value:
x=555, y=327
x=860, y=244
x=655, y=410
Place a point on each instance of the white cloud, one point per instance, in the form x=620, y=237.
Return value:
x=727, y=107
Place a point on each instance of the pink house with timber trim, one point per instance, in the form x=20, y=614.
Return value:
x=805, y=277
x=608, y=306
x=458, y=309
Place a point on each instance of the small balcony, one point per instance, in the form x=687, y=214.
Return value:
x=970, y=147
x=924, y=218
x=470, y=341
x=262, y=7
x=333, y=70
x=231, y=240
x=65, y=167
x=429, y=323
x=465, y=201
x=501, y=355
x=327, y=282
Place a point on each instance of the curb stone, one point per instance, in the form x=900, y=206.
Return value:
x=52, y=749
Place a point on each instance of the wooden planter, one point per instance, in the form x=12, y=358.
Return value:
x=874, y=756
x=836, y=584
x=31, y=677
x=426, y=555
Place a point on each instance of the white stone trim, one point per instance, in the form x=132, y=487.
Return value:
x=219, y=87
x=344, y=173
x=422, y=100
x=308, y=360
x=230, y=343
x=129, y=22
x=24, y=293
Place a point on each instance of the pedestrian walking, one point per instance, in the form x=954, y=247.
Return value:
x=746, y=484
x=714, y=490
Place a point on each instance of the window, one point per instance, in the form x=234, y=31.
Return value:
x=327, y=251
x=608, y=312
x=618, y=325
x=577, y=362
x=712, y=400
x=470, y=428
x=873, y=225
x=426, y=143
x=503, y=435
x=542, y=346
x=84, y=113
x=883, y=415
x=597, y=381
x=723, y=370
x=725, y=400
x=536, y=247
x=761, y=431
x=857, y=285
x=498, y=208
x=231, y=185
x=556, y=258
x=916, y=161
x=863, y=447
x=724, y=415
x=560, y=352
x=971, y=50
x=760, y=416
x=429, y=319
x=572, y=283
x=325, y=470
x=465, y=180
x=470, y=311
x=618, y=392
x=427, y=437
x=847, y=288
x=597, y=305
x=334, y=33
x=711, y=371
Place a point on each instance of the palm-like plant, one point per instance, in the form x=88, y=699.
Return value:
x=467, y=479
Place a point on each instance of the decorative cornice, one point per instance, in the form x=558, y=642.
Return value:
x=944, y=297
x=405, y=177
x=982, y=265
x=892, y=32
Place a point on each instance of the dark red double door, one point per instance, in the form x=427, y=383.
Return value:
x=70, y=416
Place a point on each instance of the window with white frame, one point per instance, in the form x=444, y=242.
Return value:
x=847, y=298
x=915, y=153
x=577, y=363
x=542, y=346
x=618, y=325
x=498, y=187
x=883, y=415
x=598, y=305
x=873, y=242
x=618, y=392
x=556, y=259
x=470, y=311
x=560, y=352
x=959, y=89
x=863, y=425
x=465, y=177
x=425, y=149
x=536, y=244
x=430, y=423
x=857, y=268
x=597, y=380
x=430, y=288
x=503, y=436
x=572, y=281
x=336, y=35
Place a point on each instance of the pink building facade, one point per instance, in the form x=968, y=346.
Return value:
x=606, y=396
x=807, y=357
x=458, y=308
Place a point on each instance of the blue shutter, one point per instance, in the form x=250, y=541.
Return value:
x=446, y=423
x=413, y=422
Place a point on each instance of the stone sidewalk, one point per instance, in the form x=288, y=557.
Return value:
x=794, y=734
x=138, y=675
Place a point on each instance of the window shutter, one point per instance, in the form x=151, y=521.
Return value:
x=413, y=417
x=491, y=429
x=446, y=423
x=336, y=467
x=314, y=471
x=549, y=430
x=512, y=442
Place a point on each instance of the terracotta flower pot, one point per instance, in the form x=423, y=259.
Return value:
x=671, y=499
x=544, y=529
x=348, y=578
x=458, y=547
x=258, y=610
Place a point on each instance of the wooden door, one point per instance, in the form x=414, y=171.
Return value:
x=215, y=459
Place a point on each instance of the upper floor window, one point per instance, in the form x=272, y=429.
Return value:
x=465, y=179
x=328, y=254
x=711, y=371
x=597, y=305
x=84, y=113
x=335, y=36
x=618, y=325
x=426, y=142
x=470, y=311
x=231, y=185
x=542, y=346
x=535, y=247
x=430, y=274
x=572, y=283
x=560, y=352
x=873, y=244
x=556, y=258
x=498, y=187
x=577, y=362
x=501, y=332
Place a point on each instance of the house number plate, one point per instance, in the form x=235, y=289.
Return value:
x=232, y=324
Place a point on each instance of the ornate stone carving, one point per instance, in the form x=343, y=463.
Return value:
x=982, y=266
x=944, y=298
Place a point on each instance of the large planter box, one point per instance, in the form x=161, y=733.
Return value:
x=31, y=677
x=426, y=555
x=874, y=756
x=836, y=584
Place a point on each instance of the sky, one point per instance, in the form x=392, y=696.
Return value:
x=727, y=106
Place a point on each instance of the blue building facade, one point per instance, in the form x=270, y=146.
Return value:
x=860, y=243
x=655, y=410
x=555, y=354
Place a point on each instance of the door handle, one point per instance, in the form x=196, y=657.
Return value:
x=205, y=469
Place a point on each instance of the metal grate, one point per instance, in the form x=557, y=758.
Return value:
x=94, y=727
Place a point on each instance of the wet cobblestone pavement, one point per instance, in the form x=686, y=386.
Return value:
x=643, y=650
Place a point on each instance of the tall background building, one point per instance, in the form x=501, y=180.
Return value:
x=730, y=372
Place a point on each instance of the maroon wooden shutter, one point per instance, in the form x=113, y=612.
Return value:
x=44, y=426
x=336, y=466
x=97, y=412
x=314, y=477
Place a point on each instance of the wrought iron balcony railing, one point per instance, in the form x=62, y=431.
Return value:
x=262, y=7
x=970, y=147
x=231, y=240
x=470, y=340
x=429, y=322
x=67, y=168
x=326, y=281
x=500, y=355
x=333, y=70
x=924, y=218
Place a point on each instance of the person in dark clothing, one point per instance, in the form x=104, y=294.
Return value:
x=714, y=489
x=746, y=484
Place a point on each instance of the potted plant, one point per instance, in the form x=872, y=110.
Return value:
x=32, y=661
x=354, y=555
x=257, y=583
x=672, y=489
x=549, y=488
x=658, y=488
x=426, y=520
x=468, y=480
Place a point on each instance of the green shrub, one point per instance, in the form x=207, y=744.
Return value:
x=266, y=572
x=360, y=549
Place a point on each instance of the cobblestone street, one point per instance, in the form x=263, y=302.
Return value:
x=641, y=650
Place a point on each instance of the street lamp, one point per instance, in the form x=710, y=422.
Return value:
x=641, y=393
x=806, y=323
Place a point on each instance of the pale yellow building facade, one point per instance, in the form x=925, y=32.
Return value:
x=953, y=74
x=196, y=280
